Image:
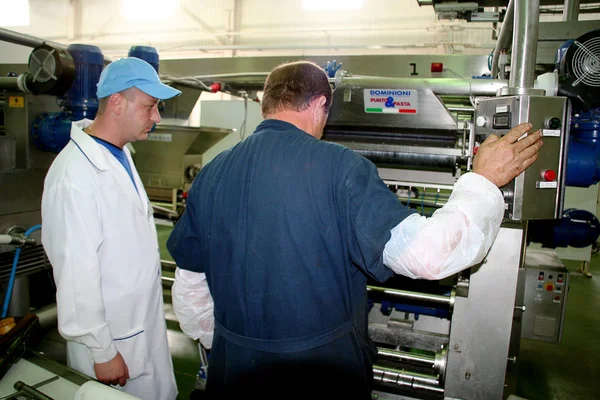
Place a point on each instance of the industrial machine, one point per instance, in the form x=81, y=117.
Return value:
x=452, y=339
x=459, y=338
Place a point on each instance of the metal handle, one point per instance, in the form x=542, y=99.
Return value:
x=31, y=391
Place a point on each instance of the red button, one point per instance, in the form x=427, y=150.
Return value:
x=215, y=87
x=437, y=67
x=475, y=149
x=557, y=298
x=548, y=175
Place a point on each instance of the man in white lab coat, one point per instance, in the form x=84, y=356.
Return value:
x=98, y=231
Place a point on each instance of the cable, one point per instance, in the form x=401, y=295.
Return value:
x=13, y=272
x=243, y=126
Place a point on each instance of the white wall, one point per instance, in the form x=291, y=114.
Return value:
x=13, y=53
x=228, y=115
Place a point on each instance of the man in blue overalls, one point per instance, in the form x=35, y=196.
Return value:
x=283, y=230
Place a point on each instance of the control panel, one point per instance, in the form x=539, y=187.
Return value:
x=545, y=296
x=539, y=191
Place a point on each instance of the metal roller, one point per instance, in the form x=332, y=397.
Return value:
x=406, y=379
x=436, y=362
x=425, y=297
x=410, y=160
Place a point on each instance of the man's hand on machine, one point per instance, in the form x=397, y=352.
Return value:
x=112, y=372
x=500, y=160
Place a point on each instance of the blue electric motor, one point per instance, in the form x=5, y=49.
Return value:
x=583, y=163
x=51, y=132
x=576, y=228
x=146, y=53
x=580, y=82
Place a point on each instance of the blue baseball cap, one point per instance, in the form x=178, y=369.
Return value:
x=131, y=72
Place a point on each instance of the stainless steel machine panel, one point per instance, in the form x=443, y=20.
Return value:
x=478, y=350
x=546, y=289
x=538, y=192
x=366, y=106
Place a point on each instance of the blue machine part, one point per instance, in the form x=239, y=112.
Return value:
x=387, y=306
x=51, y=132
x=331, y=68
x=576, y=228
x=146, y=53
x=81, y=100
x=561, y=52
x=583, y=163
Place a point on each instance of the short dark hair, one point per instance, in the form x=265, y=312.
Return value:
x=293, y=86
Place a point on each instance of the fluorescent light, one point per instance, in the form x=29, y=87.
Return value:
x=14, y=12
x=145, y=10
x=332, y=4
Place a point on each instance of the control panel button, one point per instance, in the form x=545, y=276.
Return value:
x=553, y=123
x=549, y=287
x=480, y=121
x=541, y=276
x=548, y=175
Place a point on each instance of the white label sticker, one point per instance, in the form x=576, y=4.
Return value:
x=546, y=185
x=160, y=137
x=551, y=132
x=391, y=101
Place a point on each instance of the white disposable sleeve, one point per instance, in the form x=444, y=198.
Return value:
x=193, y=305
x=71, y=236
x=455, y=237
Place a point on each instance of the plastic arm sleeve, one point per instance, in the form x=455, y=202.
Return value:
x=455, y=237
x=71, y=236
x=193, y=305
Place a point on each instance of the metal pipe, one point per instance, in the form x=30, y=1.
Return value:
x=439, y=86
x=505, y=37
x=26, y=40
x=23, y=39
x=524, y=45
x=571, y=10
x=405, y=294
x=9, y=83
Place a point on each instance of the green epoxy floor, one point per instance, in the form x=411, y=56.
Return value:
x=566, y=371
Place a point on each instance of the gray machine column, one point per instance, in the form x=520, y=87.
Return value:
x=478, y=350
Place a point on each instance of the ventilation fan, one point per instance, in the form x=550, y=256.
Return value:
x=579, y=73
x=51, y=70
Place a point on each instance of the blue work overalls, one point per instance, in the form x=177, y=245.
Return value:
x=287, y=229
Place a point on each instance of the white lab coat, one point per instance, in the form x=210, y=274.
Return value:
x=100, y=238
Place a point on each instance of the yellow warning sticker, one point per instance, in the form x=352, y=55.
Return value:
x=16, y=101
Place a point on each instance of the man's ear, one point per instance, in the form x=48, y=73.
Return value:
x=321, y=100
x=317, y=105
x=117, y=103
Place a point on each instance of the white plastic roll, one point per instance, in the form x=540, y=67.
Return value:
x=93, y=390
